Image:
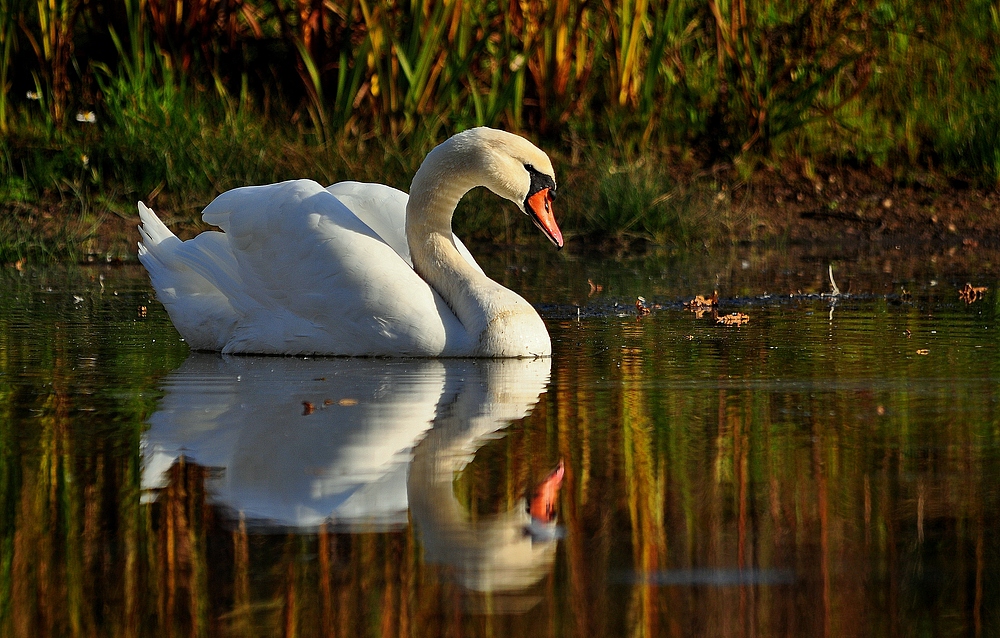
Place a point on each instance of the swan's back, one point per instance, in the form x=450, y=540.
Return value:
x=383, y=209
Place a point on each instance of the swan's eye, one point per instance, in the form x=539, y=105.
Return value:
x=540, y=181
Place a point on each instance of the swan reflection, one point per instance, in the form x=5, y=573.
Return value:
x=359, y=445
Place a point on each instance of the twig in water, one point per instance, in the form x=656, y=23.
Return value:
x=835, y=292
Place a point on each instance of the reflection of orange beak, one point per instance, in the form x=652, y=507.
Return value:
x=539, y=208
x=543, y=502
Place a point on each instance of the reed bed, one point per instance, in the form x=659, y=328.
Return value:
x=108, y=101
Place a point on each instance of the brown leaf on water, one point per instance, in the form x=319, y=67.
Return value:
x=700, y=305
x=307, y=408
x=970, y=294
x=703, y=302
x=640, y=307
x=346, y=402
x=734, y=319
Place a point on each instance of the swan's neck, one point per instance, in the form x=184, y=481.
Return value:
x=479, y=303
x=498, y=322
x=468, y=292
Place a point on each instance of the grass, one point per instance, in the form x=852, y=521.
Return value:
x=183, y=106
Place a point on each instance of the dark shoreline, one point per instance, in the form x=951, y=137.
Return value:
x=773, y=207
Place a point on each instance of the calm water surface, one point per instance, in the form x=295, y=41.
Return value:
x=828, y=468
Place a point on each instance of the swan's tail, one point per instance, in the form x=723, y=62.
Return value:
x=153, y=230
x=156, y=249
x=187, y=277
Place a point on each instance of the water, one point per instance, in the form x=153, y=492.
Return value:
x=828, y=468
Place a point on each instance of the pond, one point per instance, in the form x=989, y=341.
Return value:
x=829, y=467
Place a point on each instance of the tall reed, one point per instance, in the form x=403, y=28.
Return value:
x=52, y=39
x=8, y=32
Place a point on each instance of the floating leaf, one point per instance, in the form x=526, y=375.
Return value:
x=700, y=305
x=734, y=319
x=640, y=307
x=971, y=294
x=703, y=302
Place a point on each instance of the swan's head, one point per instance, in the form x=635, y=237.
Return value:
x=511, y=167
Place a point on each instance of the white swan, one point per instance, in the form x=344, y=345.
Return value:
x=356, y=269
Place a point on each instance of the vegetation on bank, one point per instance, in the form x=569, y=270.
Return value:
x=640, y=102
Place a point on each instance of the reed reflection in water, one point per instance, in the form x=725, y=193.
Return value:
x=807, y=473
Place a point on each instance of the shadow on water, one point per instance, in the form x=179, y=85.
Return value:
x=828, y=468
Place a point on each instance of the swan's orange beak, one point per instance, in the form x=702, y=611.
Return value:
x=542, y=506
x=539, y=207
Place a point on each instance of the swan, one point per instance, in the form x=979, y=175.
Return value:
x=356, y=269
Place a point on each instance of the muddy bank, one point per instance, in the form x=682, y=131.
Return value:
x=842, y=204
x=833, y=208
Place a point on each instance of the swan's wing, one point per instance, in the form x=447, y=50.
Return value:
x=317, y=279
x=383, y=209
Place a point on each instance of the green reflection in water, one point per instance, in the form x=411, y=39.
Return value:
x=797, y=475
